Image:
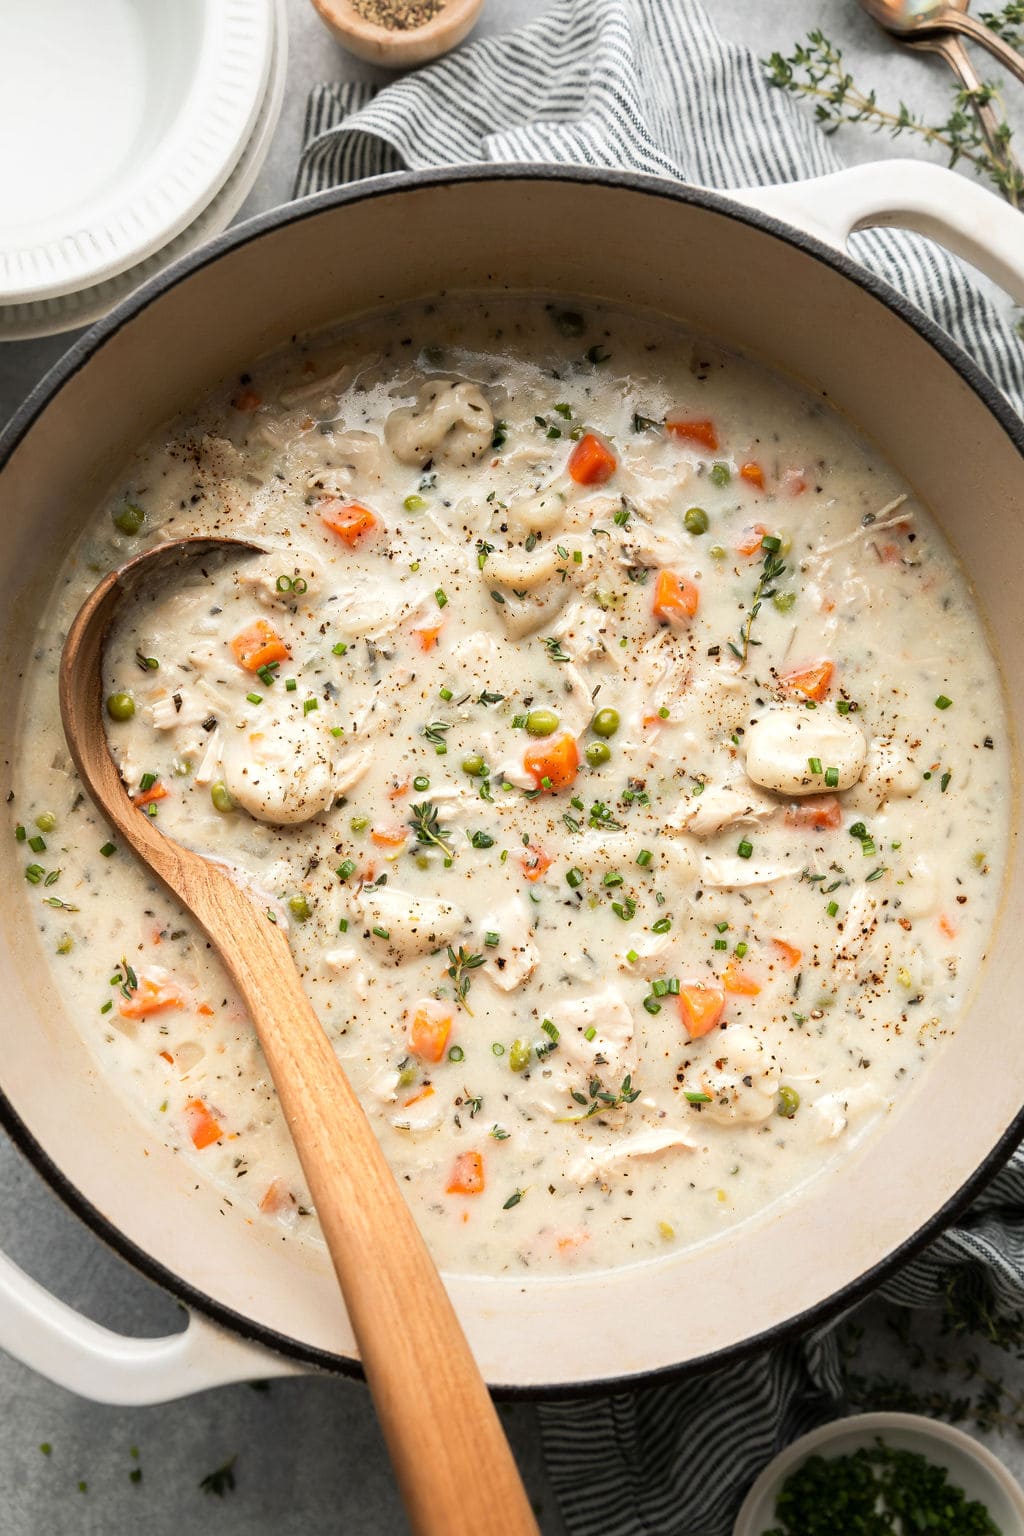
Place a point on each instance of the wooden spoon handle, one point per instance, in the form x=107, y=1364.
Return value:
x=453, y=1463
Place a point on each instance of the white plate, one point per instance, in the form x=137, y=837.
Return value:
x=969, y=1464
x=48, y=317
x=121, y=119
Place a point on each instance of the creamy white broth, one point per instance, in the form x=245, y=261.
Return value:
x=820, y=871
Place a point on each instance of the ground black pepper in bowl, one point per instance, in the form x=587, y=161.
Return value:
x=398, y=15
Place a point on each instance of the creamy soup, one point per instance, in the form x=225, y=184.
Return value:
x=613, y=733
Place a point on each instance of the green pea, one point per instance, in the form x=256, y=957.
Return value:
x=789, y=1103
x=519, y=1054
x=222, y=798
x=598, y=752
x=720, y=474
x=130, y=519
x=696, y=520
x=46, y=822
x=541, y=722
x=473, y=764
x=120, y=706
x=717, y=552
x=298, y=906
x=414, y=503
x=605, y=722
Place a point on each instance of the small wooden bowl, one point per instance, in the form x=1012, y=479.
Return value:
x=393, y=47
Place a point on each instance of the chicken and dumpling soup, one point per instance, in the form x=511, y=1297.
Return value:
x=614, y=734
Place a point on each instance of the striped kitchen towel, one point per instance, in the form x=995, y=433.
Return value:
x=649, y=85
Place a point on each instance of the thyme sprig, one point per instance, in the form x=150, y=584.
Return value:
x=426, y=824
x=459, y=965
x=966, y=1386
x=598, y=1101
x=772, y=569
x=815, y=70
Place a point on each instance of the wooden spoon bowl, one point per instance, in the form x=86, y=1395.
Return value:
x=452, y=1461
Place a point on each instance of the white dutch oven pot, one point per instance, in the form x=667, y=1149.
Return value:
x=740, y=270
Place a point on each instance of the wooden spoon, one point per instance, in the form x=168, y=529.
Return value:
x=454, y=1467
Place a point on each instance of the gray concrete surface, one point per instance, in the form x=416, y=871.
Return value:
x=309, y=1456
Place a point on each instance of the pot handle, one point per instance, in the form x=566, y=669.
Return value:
x=910, y=194
x=84, y=1357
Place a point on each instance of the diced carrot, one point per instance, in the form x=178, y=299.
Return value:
x=793, y=482
x=426, y=639
x=246, y=400
x=167, y=1057
x=467, y=1175
x=276, y=1197
x=789, y=952
x=553, y=763
x=701, y=1005
x=946, y=927
x=753, y=474
x=535, y=862
x=350, y=520
x=676, y=598
x=367, y=871
x=203, y=1128
x=735, y=980
x=692, y=430
x=749, y=541
x=810, y=682
x=154, y=994
x=429, y=1029
x=156, y=791
x=592, y=461
x=398, y=788
x=891, y=554
x=258, y=645
x=205, y=1010
x=572, y=1242
x=389, y=835
x=816, y=812
x=424, y=1093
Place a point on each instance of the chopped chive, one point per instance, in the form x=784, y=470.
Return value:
x=772, y=543
x=346, y=868
x=108, y=849
x=382, y=933
x=590, y=1032
x=339, y=649
x=745, y=849
x=720, y=944
x=106, y=1007
x=308, y=706
x=441, y=596
x=550, y=1029
x=644, y=857
x=421, y=782
x=492, y=940
x=34, y=873
x=697, y=1098
x=942, y=702
x=456, y=1053
x=876, y=874
x=37, y=844
x=147, y=781
x=832, y=778
x=574, y=878
x=632, y=956
x=612, y=878
x=814, y=764
x=291, y=684
x=663, y=713
x=652, y=1005
x=740, y=950
x=944, y=781
x=20, y=834
x=832, y=908
x=722, y=927
x=343, y=925
x=446, y=694
x=497, y=1049
x=662, y=925
x=255, y=698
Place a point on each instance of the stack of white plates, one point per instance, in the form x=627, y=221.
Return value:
x=131, y=131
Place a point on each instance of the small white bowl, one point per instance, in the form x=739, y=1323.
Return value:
x=970, y=1465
